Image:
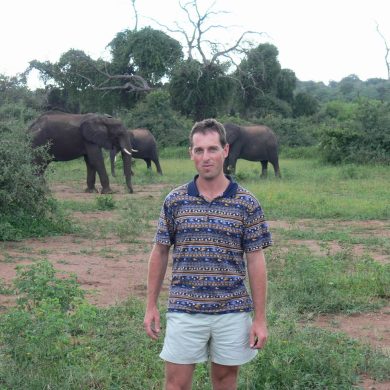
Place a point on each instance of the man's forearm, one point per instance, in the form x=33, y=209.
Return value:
x=257, y=274
x=158, y=262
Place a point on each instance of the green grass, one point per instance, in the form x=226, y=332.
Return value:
x=312, y=284
x=88, y=347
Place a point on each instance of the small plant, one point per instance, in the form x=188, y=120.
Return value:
x=38, y=282
x=105, y=202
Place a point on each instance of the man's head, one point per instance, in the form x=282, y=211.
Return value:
x=207, y=126
x=209, y=148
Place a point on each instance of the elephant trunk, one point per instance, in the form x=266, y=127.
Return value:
x=125, y=146
x=112, y=160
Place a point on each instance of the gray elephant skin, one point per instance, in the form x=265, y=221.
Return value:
x=71, y=136
x=253, y=143
x=145, y=147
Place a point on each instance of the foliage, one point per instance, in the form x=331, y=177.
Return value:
x=340, y=110
x=338, y=283
x=155, y=113
x=150, y=53
x=286, y=83
x=105, y=202
x=25, y=204
x=365, y=138
x=72, y=83
x=310, y=358
x=348, y=89
x=292, y=132
x=304, y=105
x=61, y=341
x=38, y=282
x=200, y=90
x=263, y=86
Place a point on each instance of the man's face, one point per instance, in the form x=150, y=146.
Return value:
x=208, y=154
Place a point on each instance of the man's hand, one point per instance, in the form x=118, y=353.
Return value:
x=258, y=334
x=152, y=323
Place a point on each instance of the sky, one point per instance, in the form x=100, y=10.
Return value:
x=320, y=40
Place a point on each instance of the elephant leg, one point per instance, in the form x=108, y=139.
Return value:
x=276, y=168
x=96, y=160
x=158, y=166
x=232, y=162
x=148, y=163
x=264, y=165
x=91, y=177
x=127, y=171
x=226, y=165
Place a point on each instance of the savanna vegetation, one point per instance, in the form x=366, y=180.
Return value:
x=335, y=154
x=54, y=337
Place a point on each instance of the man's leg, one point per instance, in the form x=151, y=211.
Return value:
x=178, y=376
x=224, y=377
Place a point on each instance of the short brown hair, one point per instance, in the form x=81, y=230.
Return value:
x=209, y=125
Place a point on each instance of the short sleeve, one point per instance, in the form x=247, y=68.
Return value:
x=256, y=230
x=165, y=226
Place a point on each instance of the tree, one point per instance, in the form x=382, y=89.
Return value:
x=200, y=91
x=201, y=86
x=387, y=51
x=151, y=54
x=304, y=104
x=263, y=86
x=286, y=85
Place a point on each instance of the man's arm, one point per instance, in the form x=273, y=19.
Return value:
x=257, y=273
x=158, y=262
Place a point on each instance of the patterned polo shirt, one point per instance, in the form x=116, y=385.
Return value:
x=209, y=241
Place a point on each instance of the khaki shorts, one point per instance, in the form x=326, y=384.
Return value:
x=195, y=338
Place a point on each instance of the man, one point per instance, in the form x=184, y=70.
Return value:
x=211, y=222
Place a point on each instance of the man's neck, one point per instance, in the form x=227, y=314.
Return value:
x=210, y=189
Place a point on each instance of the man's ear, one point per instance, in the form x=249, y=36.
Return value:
x=190, y=152
x=226, y=150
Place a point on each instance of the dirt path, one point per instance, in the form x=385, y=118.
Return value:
x=111, y=270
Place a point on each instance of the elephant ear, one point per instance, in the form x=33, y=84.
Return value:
x=95, y=130
x=133, y=140
x=232, y=132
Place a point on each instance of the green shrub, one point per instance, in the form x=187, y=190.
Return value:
x=39, y=282
x=25, y=204
x=105, y=202
x=155, y=113
x=331, y=284
x=363, y=139
x=293, y=132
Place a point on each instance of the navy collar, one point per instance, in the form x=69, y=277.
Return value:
x=230, y=191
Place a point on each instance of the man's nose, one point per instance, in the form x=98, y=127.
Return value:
x=206, y=155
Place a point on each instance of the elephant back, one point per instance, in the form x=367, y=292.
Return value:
x=232, y=132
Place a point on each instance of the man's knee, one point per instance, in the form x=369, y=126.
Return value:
x=178, y=376
x=224, y=377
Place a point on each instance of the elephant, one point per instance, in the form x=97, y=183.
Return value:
x=253, y=143
x=145, y=147
x=71, y=136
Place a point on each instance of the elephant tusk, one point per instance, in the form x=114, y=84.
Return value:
x=134, y=150
x=126, y=151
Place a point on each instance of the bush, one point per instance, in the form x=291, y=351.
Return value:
x=39, y=282
x=363, y=139
x=25, y=205
x=155, y=113
x=291, y=132
x=20, y=187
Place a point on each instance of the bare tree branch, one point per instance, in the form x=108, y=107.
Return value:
x=196, y=38
x=135, y=14
x=133, y=83
x=387, y=51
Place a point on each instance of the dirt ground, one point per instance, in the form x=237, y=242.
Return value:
x=111, y=271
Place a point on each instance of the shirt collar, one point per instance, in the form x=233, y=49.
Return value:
x=230, y=191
